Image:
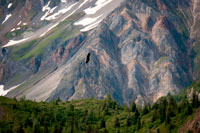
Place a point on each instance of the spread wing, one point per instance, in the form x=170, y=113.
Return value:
x=88, y=58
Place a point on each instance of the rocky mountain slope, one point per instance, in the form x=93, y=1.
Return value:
x=140, y=49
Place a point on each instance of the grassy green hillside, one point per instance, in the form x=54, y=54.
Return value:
x=37, y=47
x=91, y=115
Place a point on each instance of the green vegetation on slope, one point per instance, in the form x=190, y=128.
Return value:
x=37, y=48
x=20, y=51
x=91, y=115
x=15, y=33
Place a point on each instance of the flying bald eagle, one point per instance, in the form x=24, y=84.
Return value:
x=88, y=58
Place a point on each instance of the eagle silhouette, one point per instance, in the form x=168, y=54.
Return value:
x=87, y=58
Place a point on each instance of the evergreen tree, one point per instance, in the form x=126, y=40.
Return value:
x=195, y=101
x=162, y=109
x=168, y=114
x=85, y=113
x=139, y=123
x=182, y=106
x=128, y=121
x=105, y=131
x=133, y=107
x=102, y=123
x=76, y=126
x=20, y=129
x=57, y=101
x=145, y=110
x=56, y=129
x=188, y=109
x=108, y=99
x=158, y=130
x=89, y=129
x=137, y=114
x=154, y=116
x=106, y=111
x=126, y=108
x=36, y=127
x=172, y=102
x=71, y=107
x=116, y=122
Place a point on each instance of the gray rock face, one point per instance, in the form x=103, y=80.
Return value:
x=136, y=55
x=140, y=52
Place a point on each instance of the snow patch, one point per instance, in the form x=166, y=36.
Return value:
x=19, y=22
x=87, y=21
x=13, y=29
x=62, y=11
x=98, y=5
x=89, y=27
x=54, y=17
x=4, y=92
x=14, y=42
x=9, y=5
x=12, y=88
x=46, y=8
x=51, y=11
x=63, y=1
x=7, y=17
x=18, y=28
x=70, y=13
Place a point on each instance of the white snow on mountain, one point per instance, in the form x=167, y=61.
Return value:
x=95, y=12
x=92, y=18
x=9, y=5
x=87, y=21
x=91, y=26
x=98, y=5
x=63, y=1
x=7, y=17
x=47, y=9
x=14, y=42
x=60, y=12
x=51, y=11
x=13, y=29
x=19, y=22
x=4, y=92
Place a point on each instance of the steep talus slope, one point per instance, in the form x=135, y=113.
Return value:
x=103, y=74
x=150, y=56
x=141, y=51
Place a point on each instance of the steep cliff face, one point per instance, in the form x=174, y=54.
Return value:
x=141, y=51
